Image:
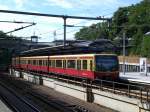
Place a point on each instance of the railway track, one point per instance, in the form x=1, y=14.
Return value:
x=59, y=106
x=14, y=101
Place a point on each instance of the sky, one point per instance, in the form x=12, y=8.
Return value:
x=46, y=26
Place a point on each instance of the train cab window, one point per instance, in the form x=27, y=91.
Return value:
x=71, y=64
x=84, y=64
x=53, y=63
x=78, y=64
x=58, y=63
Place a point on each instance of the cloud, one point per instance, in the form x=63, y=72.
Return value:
x=20, y=3
x=47, y=24
x=76, y=4
x=60, y=3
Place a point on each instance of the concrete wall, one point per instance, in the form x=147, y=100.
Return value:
x=17, y=74
x=72, y=90
x=69, y=89
x=31, y=78
x=49, y=82
x=107, y=99
x=116, y=102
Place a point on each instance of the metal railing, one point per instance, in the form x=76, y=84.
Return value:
x=127, y=89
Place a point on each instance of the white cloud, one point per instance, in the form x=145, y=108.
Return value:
x=82, y=3
x=60, y=3
x=20, y=3
x=47, y=24
x=44, y=24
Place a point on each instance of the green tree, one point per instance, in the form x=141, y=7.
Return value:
x=134, y=19
x=145, y=52
x=3, y=35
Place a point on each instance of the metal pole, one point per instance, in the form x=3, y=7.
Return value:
x=64, y=43
x=124, y=52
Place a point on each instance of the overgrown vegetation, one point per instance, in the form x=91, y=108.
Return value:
x=134, y=20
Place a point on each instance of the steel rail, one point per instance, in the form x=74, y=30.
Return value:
x=52, y=103
x=19, y=98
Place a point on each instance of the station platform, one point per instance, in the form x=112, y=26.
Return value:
x=3, y=107
x=136, y=77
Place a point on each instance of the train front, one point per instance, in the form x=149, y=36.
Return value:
x=106, y=67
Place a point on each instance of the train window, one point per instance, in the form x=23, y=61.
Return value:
x=40, y=62
x=78, y=64
x=50, y=63
x=44, y=62
x=64, y=63
x=58, y=63
x=53, y=63
x=91, y=65
x=71, y=64
x=29, y=62
x=37, y=62
x=84, y=64
x=34, y=62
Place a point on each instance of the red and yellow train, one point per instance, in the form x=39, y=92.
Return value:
x=91, y=66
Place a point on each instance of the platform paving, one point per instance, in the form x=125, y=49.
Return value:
x=136, y=77
x=3, y=107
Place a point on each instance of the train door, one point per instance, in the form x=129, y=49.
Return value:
x=48, y=64
x=64, y=66
x=79, y=67
x=90, y=65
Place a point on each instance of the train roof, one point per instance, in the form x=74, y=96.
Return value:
x=86, y=47
x=73, y=55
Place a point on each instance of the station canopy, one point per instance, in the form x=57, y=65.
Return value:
x=76, y=47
